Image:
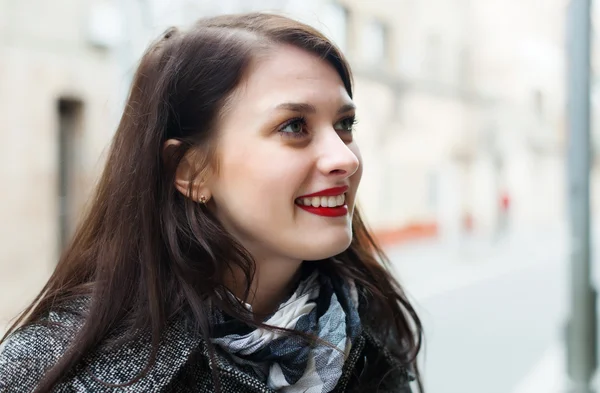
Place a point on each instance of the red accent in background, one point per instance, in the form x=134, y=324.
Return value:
x=417, y=231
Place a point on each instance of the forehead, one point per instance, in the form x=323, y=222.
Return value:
x=287, y=73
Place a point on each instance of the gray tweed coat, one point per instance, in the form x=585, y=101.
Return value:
x=182, y=364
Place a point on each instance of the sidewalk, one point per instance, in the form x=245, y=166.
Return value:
x=432, y=269
x=427, y=269
x=550, y=374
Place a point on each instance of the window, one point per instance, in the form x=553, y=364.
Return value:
x=69, y=127
x=374, y=45
x=335, y=17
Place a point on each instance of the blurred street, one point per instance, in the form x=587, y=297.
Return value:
x=493, y=312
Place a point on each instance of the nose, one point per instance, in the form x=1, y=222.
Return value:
x=335, y=157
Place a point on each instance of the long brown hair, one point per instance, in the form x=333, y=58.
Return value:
x=143, y=253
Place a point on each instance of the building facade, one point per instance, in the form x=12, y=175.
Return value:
x=56, y=88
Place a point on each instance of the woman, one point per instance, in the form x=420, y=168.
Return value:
x=222, y=250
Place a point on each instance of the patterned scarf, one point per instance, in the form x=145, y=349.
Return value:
x=322, y=306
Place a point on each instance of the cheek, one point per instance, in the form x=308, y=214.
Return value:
x=256, y=170
x=255, y=191
x=259, y=174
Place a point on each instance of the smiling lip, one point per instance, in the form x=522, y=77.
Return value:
x=328, y=192
x=338, y=211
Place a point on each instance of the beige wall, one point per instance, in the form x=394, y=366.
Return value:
x=43, y=57
x=469, y=72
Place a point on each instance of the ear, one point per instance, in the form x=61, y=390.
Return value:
x=185, y=183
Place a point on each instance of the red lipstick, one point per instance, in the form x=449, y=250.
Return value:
x=328, y=192
x=338, y=211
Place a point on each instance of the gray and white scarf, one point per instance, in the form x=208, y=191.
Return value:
x=322, y=306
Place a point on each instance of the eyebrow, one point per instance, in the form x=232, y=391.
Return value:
x=308, y=108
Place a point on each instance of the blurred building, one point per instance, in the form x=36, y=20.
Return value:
x=461, y=103
x=477, y=113
x=57, y=77
x=518, y=65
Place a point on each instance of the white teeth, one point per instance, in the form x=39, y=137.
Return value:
x=332, y=201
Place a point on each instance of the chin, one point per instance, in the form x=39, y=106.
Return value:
x=324, y=249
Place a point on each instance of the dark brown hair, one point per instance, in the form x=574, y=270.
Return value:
x=143, y=253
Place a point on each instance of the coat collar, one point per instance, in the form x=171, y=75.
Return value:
x=119, y=367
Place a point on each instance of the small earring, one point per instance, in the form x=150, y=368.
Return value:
x=203, y=199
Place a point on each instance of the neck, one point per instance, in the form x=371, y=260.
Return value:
x=273, y=281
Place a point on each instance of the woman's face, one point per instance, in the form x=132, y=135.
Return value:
x=286, y=134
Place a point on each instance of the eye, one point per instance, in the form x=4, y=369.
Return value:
x=294, y=128
x=345, y=125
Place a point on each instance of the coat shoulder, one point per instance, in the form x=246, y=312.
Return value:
x=31, y=350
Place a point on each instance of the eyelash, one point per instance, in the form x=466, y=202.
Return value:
x=302, y=121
